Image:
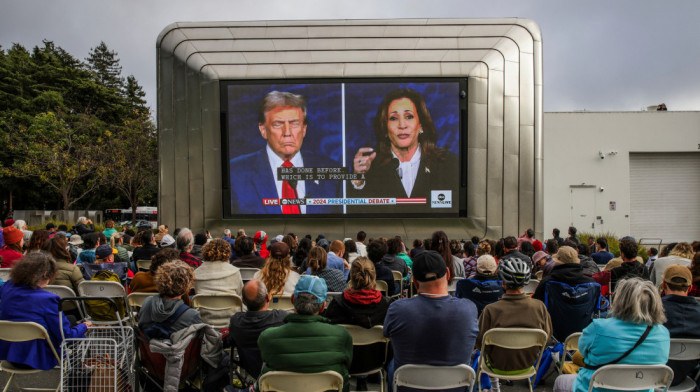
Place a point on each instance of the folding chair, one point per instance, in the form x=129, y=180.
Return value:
x=282, y=302
x=398, y=282
x=434, y=377
x=23, y=331
x=331, y=295
x=570, y=345
x=370, y=350
x=684, y=350
x=136, y=300
x=631, y=377
x=66, y=292
x=300, y=382
x=382, y=286
x=571, y=308
x=217, y=309
x=5, y=274
x=143, y=265
x=452, y=286
x=99, y=288
x=481, y=293
x=248, y=273
x=516, y=339
x=530, y=288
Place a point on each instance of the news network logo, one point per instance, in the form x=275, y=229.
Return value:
x=441, y=199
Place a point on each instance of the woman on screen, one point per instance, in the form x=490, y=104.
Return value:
x=405, y=162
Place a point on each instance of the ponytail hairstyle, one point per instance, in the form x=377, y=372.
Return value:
x=363, y=276
x=318, y=259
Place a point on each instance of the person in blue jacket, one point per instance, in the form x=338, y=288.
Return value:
x=636, y=311
x=24, y=299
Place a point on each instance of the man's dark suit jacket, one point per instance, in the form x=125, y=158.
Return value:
x=252, y=181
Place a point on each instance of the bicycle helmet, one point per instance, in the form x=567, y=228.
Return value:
x=514, y=272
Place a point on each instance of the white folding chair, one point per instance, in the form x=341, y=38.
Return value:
x=136, y=300
x=398, y=281
x=66, y=292
x=570, y=344
x=248, y=273
x=282, y=302
x=300, y=382
x=383, y=287
x=362, y=337
x=631, y=377
x=143, y=265
x=217, y=309
x=515, y=339
x=531, y=287
x=23, y=331
x=452, y=286
x=684, y=350
x=434, y=377
x=5, y=274
x=113, y=290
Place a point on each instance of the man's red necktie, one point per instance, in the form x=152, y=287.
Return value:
x=289, y=193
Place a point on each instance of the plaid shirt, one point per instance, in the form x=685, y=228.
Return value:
x=335, y=279
x=190, y=260
x=470, y=266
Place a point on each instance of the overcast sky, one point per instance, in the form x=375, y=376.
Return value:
x=598, y=55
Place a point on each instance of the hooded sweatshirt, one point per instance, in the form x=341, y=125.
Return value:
x=157, y=309
x=395, y=263
x=572, y=274
x=365, y=308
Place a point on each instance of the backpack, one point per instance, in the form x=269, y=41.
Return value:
x=162, y=330
x=100, y=310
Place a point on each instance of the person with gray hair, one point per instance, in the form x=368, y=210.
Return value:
x=83, y=226
x=282, y=122
x=26, y=234
x=185, y=243
x=634, y=334
x=245, y=327
x=325, y=347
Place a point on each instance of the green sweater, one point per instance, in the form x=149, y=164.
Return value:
x=307, y=344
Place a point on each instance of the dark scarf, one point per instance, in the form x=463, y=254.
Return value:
x=362, y=297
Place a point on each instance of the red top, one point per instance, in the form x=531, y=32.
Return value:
x=9, y=257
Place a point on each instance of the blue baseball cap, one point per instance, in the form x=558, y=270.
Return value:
x=312, y=285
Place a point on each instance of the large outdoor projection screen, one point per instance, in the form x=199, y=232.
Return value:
x=367, y=147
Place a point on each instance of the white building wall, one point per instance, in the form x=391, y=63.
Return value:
x=572, y=146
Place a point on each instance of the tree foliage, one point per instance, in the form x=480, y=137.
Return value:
x=66, y=124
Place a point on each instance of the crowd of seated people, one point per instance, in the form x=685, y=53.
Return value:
x=419, y=319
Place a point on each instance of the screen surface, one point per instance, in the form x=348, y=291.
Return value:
x=344, y=148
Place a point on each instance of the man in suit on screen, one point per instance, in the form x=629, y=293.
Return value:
x=282, y=123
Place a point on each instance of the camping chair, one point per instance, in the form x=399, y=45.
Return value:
x=248, y=273
x=5, y=274
x=215, y=305
x=434, y=377
x=530, y=288
x=282, y=302
x=631, y=377
x=66, y=292
x=570, y=346
x=370, y=350
x=89, y=269
x=136, y=300
x=516, y=339
x=383, y=287
x=684, y=350
x=150, y=366
x=99, y=288
x=452, y=286
x=481, y=293
x=300, y=382
x=332, y=295
x=398, y=282
x=23, y=331
x=143, y=265
x=571, y=308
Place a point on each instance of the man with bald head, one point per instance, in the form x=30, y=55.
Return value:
x=246, y=327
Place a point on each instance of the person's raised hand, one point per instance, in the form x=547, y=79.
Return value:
x=362, y=162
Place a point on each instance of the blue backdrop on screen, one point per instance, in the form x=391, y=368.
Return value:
x=363, y=99
x=324, y=113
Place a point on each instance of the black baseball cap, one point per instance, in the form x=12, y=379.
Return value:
x=428, y=266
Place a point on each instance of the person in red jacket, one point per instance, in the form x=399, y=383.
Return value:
x=12, y=251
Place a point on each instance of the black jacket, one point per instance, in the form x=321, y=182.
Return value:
x=571, y=274
x=341, y=311
x=683, y=321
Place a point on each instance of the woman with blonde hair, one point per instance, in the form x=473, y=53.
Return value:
x=681, y=254
x=361, y=304
x=116, y=241
x=277, y=274
x=318, y=263
x=633, y=335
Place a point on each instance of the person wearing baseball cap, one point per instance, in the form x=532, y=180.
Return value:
x=433, y=327
x=11, y=252
x=682, y=314
x=307, y=342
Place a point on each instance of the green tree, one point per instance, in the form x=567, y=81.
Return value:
x=105, y=64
